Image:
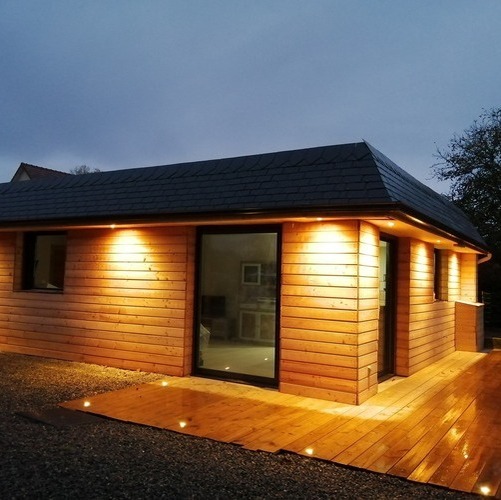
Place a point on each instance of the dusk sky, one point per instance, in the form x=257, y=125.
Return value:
x=116, y=84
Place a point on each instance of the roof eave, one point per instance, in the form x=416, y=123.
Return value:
x=415, y=218
x=205, y=217
x=394, y=210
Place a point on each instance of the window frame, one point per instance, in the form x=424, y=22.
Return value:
x=28, y=278
x=438, y=268
x=204, y=371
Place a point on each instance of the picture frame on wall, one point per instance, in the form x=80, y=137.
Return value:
x=251, y=273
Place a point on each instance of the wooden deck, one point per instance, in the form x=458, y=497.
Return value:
x=441, y=426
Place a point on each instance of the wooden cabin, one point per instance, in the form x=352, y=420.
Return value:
x=318, y=271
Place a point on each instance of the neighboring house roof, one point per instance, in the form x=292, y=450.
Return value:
x=27, y=172
x=349, y=178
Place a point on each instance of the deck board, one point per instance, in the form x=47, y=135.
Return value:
x=440, y=426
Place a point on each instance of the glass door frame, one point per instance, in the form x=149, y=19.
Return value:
x=389, y=360
x=197, y=313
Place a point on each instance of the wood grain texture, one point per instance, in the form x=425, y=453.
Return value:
x=127, y=301
x=439, y=426
x=426, y=327
x=329, y=309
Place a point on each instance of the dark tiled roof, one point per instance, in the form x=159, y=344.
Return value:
x=35, y=172
x=353, y=177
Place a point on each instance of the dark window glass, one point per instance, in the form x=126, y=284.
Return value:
x=236, y=327
x=437, y=274
x=44, y=261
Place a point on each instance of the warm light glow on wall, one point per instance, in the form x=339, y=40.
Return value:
x=453, y=277
x=129, y=244
x=422, y=258
x=327, y=232
x=129, y=255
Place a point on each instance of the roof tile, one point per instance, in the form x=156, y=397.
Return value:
x=342, y=176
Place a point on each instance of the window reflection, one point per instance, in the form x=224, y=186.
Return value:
x=237, y=298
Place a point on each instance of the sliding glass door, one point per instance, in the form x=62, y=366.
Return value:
x=236, y=327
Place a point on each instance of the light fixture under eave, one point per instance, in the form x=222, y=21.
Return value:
x=390, y=223
x=113, y=226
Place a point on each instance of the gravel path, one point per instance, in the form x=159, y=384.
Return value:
x=111, y=459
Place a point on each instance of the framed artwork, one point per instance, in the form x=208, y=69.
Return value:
x=251, y=273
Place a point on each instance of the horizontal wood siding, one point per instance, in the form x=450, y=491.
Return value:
x=469, y=313
x=189, y=306
x=126, y=302
x=7, y=261
x=368, y=310
x=425, y=326
x=468, y=275
x=469, y=326
x=452, y=276
x=328, y=310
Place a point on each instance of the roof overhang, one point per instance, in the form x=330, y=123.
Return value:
x=393, y=219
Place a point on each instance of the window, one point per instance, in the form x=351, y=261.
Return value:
x=44, y=261
x=437, y=275
x=236, y=325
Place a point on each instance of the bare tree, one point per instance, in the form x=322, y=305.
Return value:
x=83, y=169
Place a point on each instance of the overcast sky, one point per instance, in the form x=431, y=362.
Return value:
x=125, y=83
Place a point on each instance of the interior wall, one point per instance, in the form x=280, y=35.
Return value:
x=234, y=249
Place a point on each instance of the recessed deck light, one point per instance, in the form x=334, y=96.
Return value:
x=485, y=490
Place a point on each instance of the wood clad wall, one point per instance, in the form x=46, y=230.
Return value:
x=329, y=310
x=452, y=275
x=425, y=326
x=126, y=302
x=469, y=283
x=368, y=310
x=469, y=313
x=189, y=308
x=7, y=259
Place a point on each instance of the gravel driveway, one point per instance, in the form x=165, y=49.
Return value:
x=111, y=459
